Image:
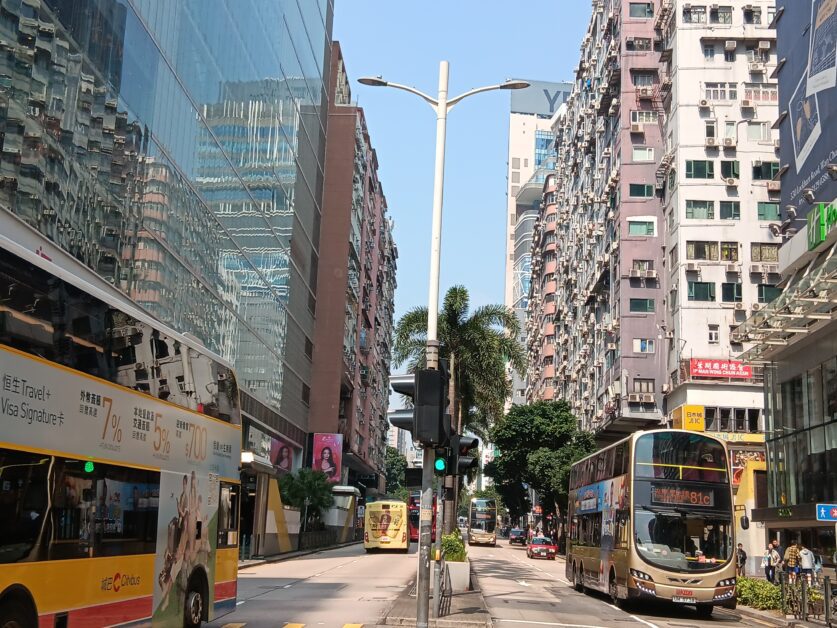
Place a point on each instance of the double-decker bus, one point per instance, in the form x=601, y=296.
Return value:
x=415, y=510
x=651, y=517
x=482, y=521
x=120, y=445
x=385, y=526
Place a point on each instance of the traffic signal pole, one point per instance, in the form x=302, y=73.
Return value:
x=437, y=568
x=425, y=532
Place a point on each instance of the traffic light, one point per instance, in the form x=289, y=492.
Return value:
x=459, y=462
x=427, y=421
x=440, y=463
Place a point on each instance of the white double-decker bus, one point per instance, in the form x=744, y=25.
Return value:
x=120, y=447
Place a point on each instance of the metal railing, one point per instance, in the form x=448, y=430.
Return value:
x=808, y=598
x=445, y=590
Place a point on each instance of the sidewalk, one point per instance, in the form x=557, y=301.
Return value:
x=277, y=558
x=467, y=610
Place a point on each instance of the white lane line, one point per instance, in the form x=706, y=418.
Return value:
x=239, y=603
x=642, y=621
x=287, y=586
x=545, y=623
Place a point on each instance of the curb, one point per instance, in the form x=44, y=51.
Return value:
x=278, y=558
x=767, y=618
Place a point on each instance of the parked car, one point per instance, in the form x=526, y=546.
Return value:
x=542, y=547
x=517, y=537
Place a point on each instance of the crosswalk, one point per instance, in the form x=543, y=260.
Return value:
x=288, y=625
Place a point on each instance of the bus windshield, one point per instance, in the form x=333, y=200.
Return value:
x=682, y=507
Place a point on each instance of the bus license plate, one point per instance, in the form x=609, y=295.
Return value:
x=384, y=539
x=683, y=600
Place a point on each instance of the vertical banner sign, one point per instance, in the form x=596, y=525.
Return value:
x=328, y=455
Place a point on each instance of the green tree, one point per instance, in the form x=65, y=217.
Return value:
x=395, y=464
x=481, y=342
x=538, y=444
x=310, y=485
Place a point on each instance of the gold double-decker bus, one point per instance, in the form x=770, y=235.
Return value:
x=120, y=444
x=651, y=517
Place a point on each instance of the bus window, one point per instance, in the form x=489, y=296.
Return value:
x=23, y=502
x=228, y=516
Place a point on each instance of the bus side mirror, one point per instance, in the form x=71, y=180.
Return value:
x=745, y=522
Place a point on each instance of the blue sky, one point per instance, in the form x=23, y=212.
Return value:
x=485, y=43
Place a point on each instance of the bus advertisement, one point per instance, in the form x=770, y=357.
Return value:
x=385, y=526
x=119, y=452
x=651, y=517
x=482, y=521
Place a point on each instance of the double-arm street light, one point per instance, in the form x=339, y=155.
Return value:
x=441, y=105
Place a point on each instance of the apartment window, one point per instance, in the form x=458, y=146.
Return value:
x=757, y=55
x=700, y=169
x=768, y=211
x=641, y=190
x=643, y=345
x=643, y=79
x=729, y=251
x=711, y=128
x=701, y=250
x=516, y=163
x=643, y=385
x=729, y=131
x=765, y=170
x=731, y=292
x=674, y=256
x=701, y=291
x=721, y=91
x=694, y=15
x=306, y=394
x=638, y=43
x=729, y=56
x=709, y=52
x=761, y=92
x=641, y=9
x=730, y=169
x=730, y=210
x=764, y=252
x=641, y=228
x=700, y=210
x=768, y=293
x=752, y=15
x=642, y=305
x=720, y=15
x=642, y=265
x=758, y=131
x=644, y=117
x=714, y=334
x=515, y=176
x=643, y=153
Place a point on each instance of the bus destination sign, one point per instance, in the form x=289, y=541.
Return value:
x=680, y=496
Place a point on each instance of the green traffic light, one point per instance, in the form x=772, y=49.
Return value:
x=440, y=464
x=88, y=467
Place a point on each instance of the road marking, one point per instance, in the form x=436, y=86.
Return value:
x=233, y=625
x=352, y=625
x=240, y=602
x=522, y=583
x=294, y=625
x=546, y=623
x=287, y=586
x=642, y=621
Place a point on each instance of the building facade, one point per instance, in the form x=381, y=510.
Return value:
x=355, y=288
x=178, y=153
x=530, y=157
x=795, y=336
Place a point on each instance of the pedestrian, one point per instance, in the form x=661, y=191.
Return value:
x=806, y=562
x=741, y=560
x=768, y=563
x=778, y=549
x=791, y=561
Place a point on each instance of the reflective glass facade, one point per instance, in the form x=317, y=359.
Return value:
x=176, y=148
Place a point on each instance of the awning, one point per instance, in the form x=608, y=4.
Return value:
x=807, y=304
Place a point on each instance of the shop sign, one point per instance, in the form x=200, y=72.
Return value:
x=690, y=418
x=737, y=437
x=821, y=220
x=720, y=368
x=785, y=513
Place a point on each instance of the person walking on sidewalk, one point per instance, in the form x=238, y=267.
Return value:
x=806, y=562
x=791, y=561
x=740, y=560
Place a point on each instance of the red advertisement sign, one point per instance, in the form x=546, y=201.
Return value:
x=328, y=454
x=720, y=368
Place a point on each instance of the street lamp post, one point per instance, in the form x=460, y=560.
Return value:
x=441, y=106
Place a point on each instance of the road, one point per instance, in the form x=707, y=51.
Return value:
x=334, y=588
x=347, y=588
x=520, y=592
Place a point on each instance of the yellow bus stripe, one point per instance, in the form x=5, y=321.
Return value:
x=119, y=387
x=678, y=466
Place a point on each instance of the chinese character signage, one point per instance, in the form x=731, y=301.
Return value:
x=720, y=368
x=328, y=454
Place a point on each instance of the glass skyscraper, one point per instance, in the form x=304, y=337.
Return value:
x=176, y=147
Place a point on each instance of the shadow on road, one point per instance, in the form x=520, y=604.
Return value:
x=658, y=609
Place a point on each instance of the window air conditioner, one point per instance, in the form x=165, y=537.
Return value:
x=732, y=268
x=730, y=181
x=756, y=307
x=711, y=141
x=739, y=306
x=746, y=104
x=729, y=141
x=634, y=398
x=703, y=103
x=692, y=267
x=647, y=398
x=774, y=186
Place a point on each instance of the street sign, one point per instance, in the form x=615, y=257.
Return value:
x=827, y=512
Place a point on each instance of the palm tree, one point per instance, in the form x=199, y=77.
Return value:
x=481, y=343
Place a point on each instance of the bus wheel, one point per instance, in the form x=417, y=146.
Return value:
x=578, y=573
x=194, y=608
x=13, y=614
x=613, y=589
x=705, y=610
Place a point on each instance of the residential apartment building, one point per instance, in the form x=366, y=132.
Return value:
x=530, y=157
x=593, y=326
x=795, y=336
x=717, y=178
x=178, y=153
x=355, y=291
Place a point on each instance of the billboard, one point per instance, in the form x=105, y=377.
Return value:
x=540, y=98
x=807, y=95
x=328, y=455
x=279, y=452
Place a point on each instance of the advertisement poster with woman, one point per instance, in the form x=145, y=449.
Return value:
x=282, y=455
x=328, y=453
x=187, y=528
